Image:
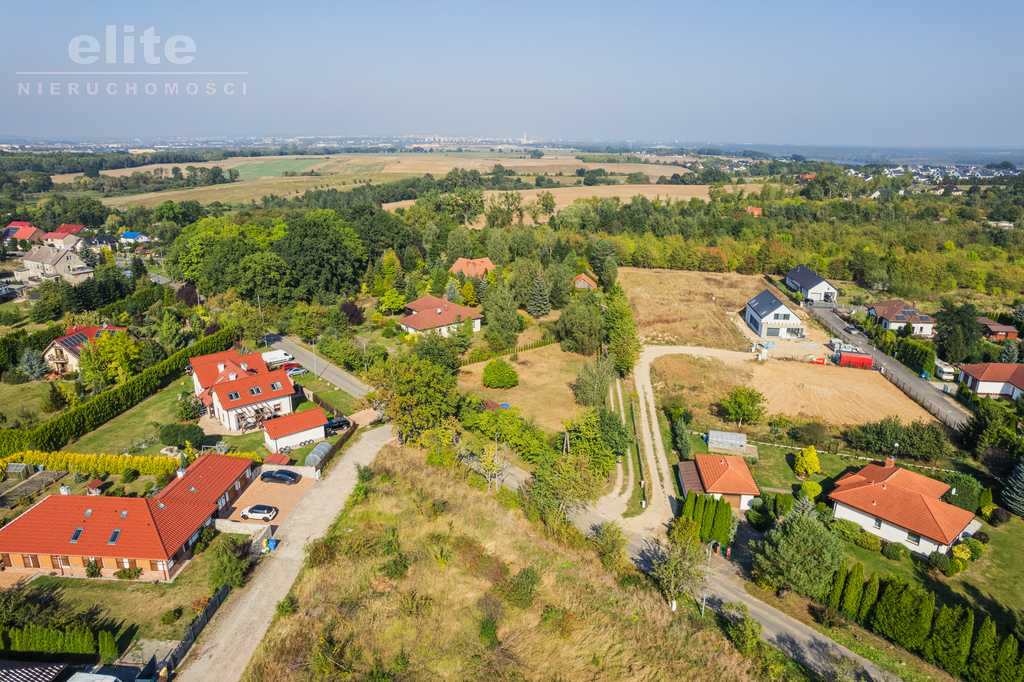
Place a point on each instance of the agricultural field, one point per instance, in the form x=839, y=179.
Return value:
x=446, y=619
x=275, y=167
x=689, y=308
x=543, y=391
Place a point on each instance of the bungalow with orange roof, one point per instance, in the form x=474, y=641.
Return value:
x=472, y=267
x=722, y=476
x=431, y=312
x=902, y=506
x=19, y=229
x=997, y=379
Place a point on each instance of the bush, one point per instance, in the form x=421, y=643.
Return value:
x=129, y=475
x=810, y=489
x=116, y=491
x=92, y=570
x=999, y=517
x=128, y=573
x=321, y=552
x=395, y=568
x=760, y=518
x=206, y=536
x=812, y=433
x=870, y=542
x=976, y=548
x=500, y=374
x=489, y=633
x=286, y=607
x=956, y=565
x=895, y=551
x=180, y=434
x=230, y=563
x=961, y=552
x=939, y=561
x=363, y=474
x=508, y=498
x=170, y=616
x=846, y=530
x=521, y=590
x=14, y=376
x=982, y=537
x=188, y=406
x=558, y=620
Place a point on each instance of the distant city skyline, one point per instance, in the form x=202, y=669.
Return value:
x=868, y=74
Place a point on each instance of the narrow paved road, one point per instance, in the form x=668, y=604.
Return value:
x=326, y=370
x=226, y=645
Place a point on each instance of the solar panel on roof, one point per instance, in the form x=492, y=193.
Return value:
x=900, y=317
x=925, y=318
x=73, y=341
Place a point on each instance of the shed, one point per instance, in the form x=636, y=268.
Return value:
x=295, y=430
x=19, y=470
x=859, y=360
x=726, y=440
x=94, y=487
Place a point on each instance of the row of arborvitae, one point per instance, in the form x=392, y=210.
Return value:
x=905, y=615
x=714, y=517
x=74, y=640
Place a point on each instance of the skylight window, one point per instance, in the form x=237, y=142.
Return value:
x=233, y=395
x=88, y=513
x=255, y=390
x=77, y=534
x=275, y=386
x=124, y=514
x=114, y=536
x=191, y=488
x=161, y=505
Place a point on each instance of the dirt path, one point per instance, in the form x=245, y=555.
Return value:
x=627, y=492
x=618, y=465
x=224, y=650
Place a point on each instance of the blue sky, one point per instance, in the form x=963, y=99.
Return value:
x=839, y=73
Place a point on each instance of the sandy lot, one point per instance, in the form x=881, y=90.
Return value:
x=682, y=307
x=543, y=391
x=284, y=497
x=839, y=395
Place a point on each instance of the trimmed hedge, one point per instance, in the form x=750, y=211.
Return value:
x=77, y=422
x=97, y=465
x=50, y=640
x=870, y=542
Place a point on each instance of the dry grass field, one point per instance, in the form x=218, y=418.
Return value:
x=543, y=391
x=349, y=620
x=676, y=307
x=699, y=383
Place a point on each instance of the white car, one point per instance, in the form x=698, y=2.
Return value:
x=259, y=511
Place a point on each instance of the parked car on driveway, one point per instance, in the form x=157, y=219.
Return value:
x=296, y=371
x=280, y=476
x=338, y=424
x=259, y=511
x=289, y=365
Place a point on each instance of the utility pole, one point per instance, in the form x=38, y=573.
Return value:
x=707, y=577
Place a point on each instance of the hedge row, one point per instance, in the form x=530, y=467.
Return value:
x=97, y=465
x=481, y=355
x=49, y=640
x=77, y=422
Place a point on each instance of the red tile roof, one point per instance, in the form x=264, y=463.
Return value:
x=726, y=474
x=147, y=530
x=27, y=233
x=206, y=369
x=904, y=498
x=18, y=223
x=69, y=229
x=998, y=372
x=209, y=475
x=93, y=484
x=294, y=423
x=426, y=315
x=469, y=267
x=243, y=384
x=584, y=277
x=277, y=458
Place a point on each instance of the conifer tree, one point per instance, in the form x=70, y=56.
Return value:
x=962, y=642
x=799, y=553
x=468, y=294
x=688, y=506
x=886, y=620
x=1013, y=490
x=982, y=662
x=853, y=591
x=399, y=279
x=917, y=609
x=412, y=287
x=698, y=510
x=1008, y=668
x=868, y=599
x=723, y=520
x=835, y=595
x=539, y=304
x=708, y=521
x=937, y=649
x=452, y=293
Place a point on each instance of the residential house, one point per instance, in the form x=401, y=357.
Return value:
x=62, y=534
x=22, y=230
x=64, y=354
x=996, y=379
x=584, y=282
x=996, y=331
x=722, y=476
x=295, y=429
x=431, y=312
x=97, y=244
x=45, y=262
x=769, y=317
x=810, y=284
x=948, y=190
x=755, y=211
x=240, y=391
x=61, y=240
x=472, y=267
x=902, y=506
x=69, y=229
x=878, y=193
x=897, y=314
x=134, y=238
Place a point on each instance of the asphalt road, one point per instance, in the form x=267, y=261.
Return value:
x=327, y=371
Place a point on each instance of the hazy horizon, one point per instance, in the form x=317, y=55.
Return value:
x=910, y=75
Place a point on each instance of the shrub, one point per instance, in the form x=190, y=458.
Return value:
x=14, y=377
x=116, y=491
x=521, y=590
x=230, y=563
x=321, y=552
x=286, y=607
x=92, y=570
x=500, y=374
x=870, y=542
x=395, y=568
x=147, y=486
x=812, y=433
x=363, y=474
x=508, y=498
x=188, y=407
x=82, y=477
x=489, y=633
x=956, y=565
x=206, y=536
x=961, y=552
x=610, y=541
x=999, y=517
x=558, y=620
x=846, y=529
x=162, y=480
x=128, y=573
x=894, y=551
x=975, y=547
x=810, y=489
x=170, y=616
x=939, y=561
x=178, y=434
x=807, y=461
x=478, y=561
x=760, y=518
x=108, y=647
x=982, y=537
x=129, y=475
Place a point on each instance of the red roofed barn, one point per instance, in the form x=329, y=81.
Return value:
x=901, y=506
x=431, y=312
x=63, y=533
x=723, y=476
x=293, y=430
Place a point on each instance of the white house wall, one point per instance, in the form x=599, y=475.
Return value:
x=292, y=440
x=446, y=330
x=888, y=531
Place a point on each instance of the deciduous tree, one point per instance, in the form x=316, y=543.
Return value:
x=744, y=404
x=414, y=394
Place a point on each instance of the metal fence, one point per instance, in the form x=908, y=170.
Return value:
x=176, y=656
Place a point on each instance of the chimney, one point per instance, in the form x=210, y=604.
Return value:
x=915, y=305
x=890, y=461
x=180, y=472
x=220, y=366
x=872, y=503
x=232, y=376
x=245, y=365
x=438, y=311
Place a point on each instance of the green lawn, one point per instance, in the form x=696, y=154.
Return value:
x=14, y=398
x=333, y=396
x=775, y=468
x=142, y=420
x=131, y=609
x=992, y=585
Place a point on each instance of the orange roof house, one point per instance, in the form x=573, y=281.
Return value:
x=755, y=210
x=584, y=281
x=901, y=506
x=431, y=312
x=478, y=267
x=295, y=429
x=239, y=389
x=1004, y=379
x=724, y=476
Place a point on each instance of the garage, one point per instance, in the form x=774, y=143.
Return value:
x=295, y=430
x=772, y=331
x=281, y=497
